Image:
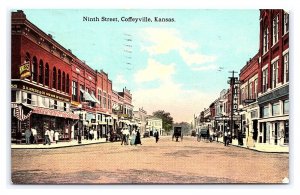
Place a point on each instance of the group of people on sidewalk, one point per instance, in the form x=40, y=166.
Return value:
x=31, y=136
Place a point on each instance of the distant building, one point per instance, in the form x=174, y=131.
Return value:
x=154, y=123
x=140, y=117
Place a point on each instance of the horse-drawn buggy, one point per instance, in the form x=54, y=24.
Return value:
x=177, y=133
x=203, y=134
x=115, y=135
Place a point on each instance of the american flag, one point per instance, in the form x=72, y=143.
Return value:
x=19, y=113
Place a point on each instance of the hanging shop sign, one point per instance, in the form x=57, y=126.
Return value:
x=25, y=70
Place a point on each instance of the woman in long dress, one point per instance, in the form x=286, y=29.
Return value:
x=133, y=137
x=138, y=138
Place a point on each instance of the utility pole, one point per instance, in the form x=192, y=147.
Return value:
x=232, y=81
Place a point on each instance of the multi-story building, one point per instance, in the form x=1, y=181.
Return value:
x=273, y=77
x=53, y=89
x=41, y=72
x=248, y=106
x=154, y=123
x=140, y=117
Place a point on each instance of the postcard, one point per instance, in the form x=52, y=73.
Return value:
x=149, y=96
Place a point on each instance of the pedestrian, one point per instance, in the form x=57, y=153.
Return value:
x=137, y=138
x=27, y=135
x=225, y=138
x=156, y=135
x=91, y=134
x=51, y=136
x=123, y=136
x=133, y=136
x=56, y=136
x=95, y=134
x=34, y=134
x=47, y=135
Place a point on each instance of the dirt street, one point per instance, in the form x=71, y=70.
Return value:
x=167, y=161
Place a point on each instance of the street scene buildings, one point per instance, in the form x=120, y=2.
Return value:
x=57, y=95
x=255, y=107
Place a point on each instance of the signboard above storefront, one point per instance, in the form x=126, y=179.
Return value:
x=25, y=70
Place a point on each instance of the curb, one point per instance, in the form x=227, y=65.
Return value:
x=256, y=150
x=56, y=147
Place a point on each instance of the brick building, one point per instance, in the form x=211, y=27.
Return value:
x=53, y=89
x=248, y=100
x=273, y=77
x=40, y=81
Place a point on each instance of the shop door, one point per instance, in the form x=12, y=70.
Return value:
x=265, y=132
x=286, y=132
x=276, y=134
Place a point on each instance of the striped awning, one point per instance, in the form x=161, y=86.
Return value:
x=19, y=112
x=56, y=113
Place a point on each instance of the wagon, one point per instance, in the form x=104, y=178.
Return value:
x=203, y=134
x=177, y=133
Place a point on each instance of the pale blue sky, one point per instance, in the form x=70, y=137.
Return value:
x=173, y=66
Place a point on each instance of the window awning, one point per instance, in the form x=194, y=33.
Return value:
x=95, y=98
x=56, y=113
x=87, y=96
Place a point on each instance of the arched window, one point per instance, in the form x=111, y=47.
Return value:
x=63, y=82
x=59, y=80
x=41, y=72
x=47, y=74
x=27, y=57
x=67, y=84
x=54, y=78
x=34, y=69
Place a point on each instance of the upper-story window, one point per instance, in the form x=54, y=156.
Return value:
x=81, y=93
x=74, y=90
x=285, y=23
x=275, y=29
x=34, y=69
x=47, y=74
x=41, y=72
x=99, y=96
x=275, y=74
x=54, y=78
x=104, y=100
x=63, y=87
x=255, y=89
x=59, y=80
x=67, y=84
x=266, y=40
x=264, y=80
x=251, y=90
x=286, y=68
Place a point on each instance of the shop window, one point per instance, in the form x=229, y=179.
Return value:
x=286, y=107
x=65, y=106
x=55, y=104
x=275, y=109
x=28, y=99
x=13, y=96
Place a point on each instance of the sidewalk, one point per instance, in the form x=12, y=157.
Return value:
x=260, y=147
x=58, y=145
